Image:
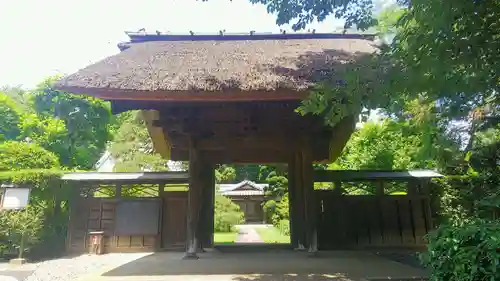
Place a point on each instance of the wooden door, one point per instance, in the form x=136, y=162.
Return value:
x=174, y=219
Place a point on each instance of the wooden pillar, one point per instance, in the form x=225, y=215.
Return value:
x=194, y=200
x=380, y=185
x=211, y=208
x=207, y=209
x=292, y=199
x=309, y=198
x=299, y=204
x=161, y=193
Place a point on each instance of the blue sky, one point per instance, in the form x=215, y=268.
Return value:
x=46, y=37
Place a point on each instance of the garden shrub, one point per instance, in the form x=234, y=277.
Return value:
x=227, y=214
x=282, y=211
x=269, y=209
x=49, y=240
x=16, y=156
x=284, y=227
x=467, y=252
x=21, y=229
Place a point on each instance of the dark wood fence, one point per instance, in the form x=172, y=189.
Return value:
x=363, y=221
x=99, y=214
x=134, y=217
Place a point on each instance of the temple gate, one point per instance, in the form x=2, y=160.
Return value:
x=230, y=99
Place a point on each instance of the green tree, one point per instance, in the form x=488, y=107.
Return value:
x=225, y=174
x=132, y=146
x=22, y=227
x=10, y=118
x=19, y=96
x=226, y=214
x=246, y=172
x=87, y=121
x=49, y=133
x=15, y=156
x=303, y=12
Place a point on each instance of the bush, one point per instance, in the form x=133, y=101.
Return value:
x=16, y=156
x=284, y=227
x=20, y=229
x=469, y=252
x=49, y=240
x=269, y=209
x=227, y=214
x=282, y=211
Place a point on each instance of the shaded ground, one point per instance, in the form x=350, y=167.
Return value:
x=276, y=264
x=407, y=258
x=64, y=268
x=18, y=275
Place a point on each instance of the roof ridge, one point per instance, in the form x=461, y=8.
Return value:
x=136, y=37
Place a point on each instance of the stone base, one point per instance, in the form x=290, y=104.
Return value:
x=18, y=261
x=300, y=249
x=190, y=256
x=312, y=254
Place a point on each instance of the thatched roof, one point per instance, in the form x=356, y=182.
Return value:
x=214, y=65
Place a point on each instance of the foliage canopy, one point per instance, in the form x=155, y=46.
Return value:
x=10, y=118
x=86, y=119
x=20, y=155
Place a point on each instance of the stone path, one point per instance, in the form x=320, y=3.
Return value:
x=248, y=234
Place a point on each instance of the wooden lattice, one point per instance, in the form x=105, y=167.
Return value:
x=140, y=190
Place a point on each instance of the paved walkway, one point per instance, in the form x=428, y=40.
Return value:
x=249, y=234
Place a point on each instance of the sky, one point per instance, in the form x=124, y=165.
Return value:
x=40, y=38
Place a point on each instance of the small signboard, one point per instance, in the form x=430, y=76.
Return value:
x=15, y=198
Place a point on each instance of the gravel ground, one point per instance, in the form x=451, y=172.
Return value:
x=72, y=268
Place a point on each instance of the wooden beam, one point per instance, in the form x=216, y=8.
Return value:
x=235, y=156
x=244, y=155
x=192, y=96
x=225, y=131
x=278, y=142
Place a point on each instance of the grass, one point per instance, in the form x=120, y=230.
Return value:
x=225, y=237
x=272, y=235
x=176, y=187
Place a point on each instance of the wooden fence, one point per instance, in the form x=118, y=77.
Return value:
x=364, y=221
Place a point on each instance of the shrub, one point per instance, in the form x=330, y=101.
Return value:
x=227, y=214
x=50, y=239
x=284, y=227
x=468, y=252
x=269, y=209
x=282, y=211
x=16, y=156
x=21, y=228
